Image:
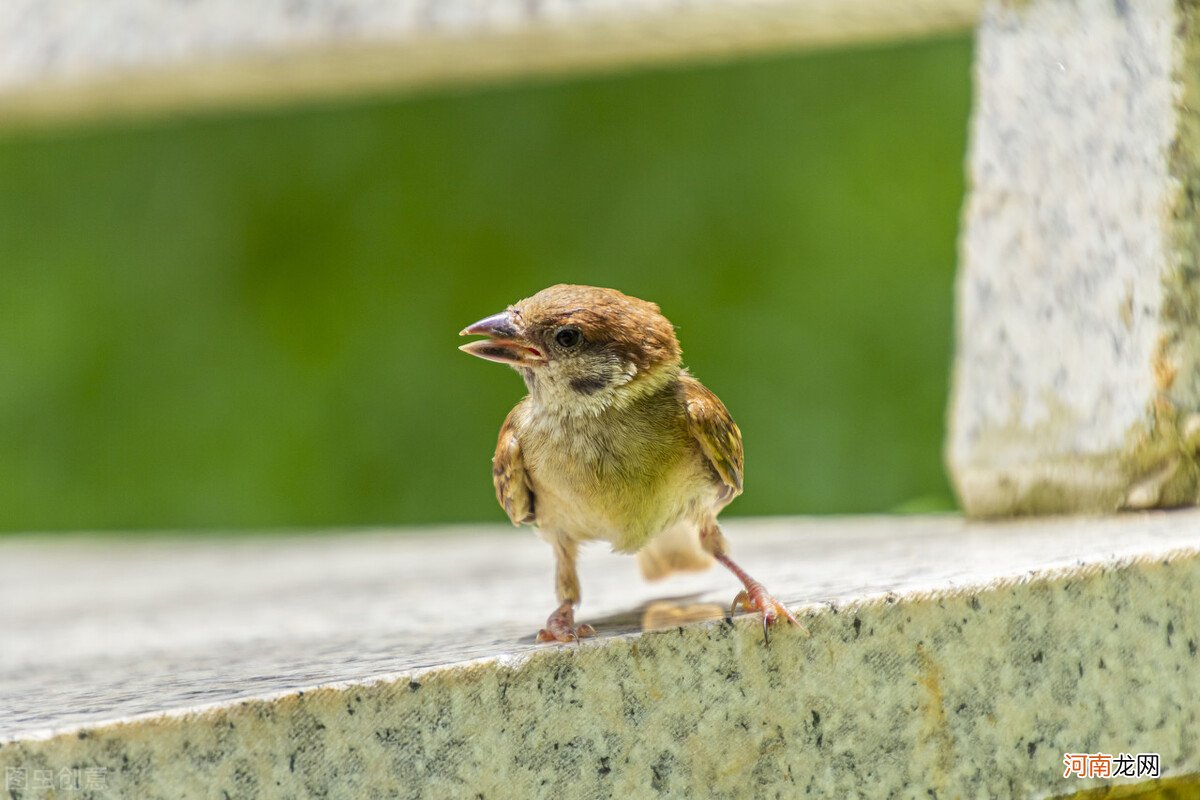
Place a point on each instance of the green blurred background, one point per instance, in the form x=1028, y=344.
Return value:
x=249, y=320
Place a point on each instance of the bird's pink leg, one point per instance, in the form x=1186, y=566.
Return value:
x=560, y=626
x=754, y=597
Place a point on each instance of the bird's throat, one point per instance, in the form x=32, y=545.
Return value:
x=598, y=394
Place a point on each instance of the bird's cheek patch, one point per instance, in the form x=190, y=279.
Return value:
x=590, y=384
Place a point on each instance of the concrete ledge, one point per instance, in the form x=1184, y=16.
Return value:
x=60, y=61
x=959, y=658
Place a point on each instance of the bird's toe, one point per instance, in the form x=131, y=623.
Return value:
x=561, y=627
x=756, y=598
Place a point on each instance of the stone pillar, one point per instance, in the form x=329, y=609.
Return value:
x=1076, y=384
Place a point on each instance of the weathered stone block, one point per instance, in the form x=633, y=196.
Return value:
x=943, y=659
x=1076, y=385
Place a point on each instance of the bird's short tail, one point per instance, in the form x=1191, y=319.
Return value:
x=677, y=549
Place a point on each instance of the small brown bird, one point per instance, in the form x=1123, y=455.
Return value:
x=615, y=441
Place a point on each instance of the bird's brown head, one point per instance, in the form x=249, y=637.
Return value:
x=580, y=344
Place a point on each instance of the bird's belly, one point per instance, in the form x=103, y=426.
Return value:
x=626, y=511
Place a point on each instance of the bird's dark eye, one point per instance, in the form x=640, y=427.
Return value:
x=568, y=337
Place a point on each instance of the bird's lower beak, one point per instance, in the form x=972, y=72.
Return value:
x=504, y=343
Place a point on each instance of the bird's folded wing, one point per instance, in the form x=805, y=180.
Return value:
x=508, y=474
x=717, y=434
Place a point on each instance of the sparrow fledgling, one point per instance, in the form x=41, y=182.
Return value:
x=615, y=441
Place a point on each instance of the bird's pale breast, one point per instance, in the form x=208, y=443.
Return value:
x=622, y=477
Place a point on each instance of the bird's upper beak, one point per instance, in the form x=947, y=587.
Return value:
x=504, y=344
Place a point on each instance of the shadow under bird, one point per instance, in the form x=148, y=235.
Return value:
x=615, y=441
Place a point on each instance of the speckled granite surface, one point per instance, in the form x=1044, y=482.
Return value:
x=946, y=657
x=1077, y=384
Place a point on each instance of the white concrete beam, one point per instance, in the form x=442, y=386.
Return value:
x=64, y=59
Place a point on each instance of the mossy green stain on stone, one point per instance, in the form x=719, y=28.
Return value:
x=1182, y=787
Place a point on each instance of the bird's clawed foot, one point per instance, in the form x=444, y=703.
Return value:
x=561, y=627
x=755, y=598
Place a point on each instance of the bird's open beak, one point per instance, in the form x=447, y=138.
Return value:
x=504, y=343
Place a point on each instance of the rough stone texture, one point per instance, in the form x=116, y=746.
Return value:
x=944, y=659
x=1076, y=384
x=60, y=59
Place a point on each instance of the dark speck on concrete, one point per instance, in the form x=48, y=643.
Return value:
x=390, y=736
x=660, y=772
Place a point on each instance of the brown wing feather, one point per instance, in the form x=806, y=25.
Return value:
x=717, y=434
x=509, y=475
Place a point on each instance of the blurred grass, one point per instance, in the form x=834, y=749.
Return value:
x=250, y=320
